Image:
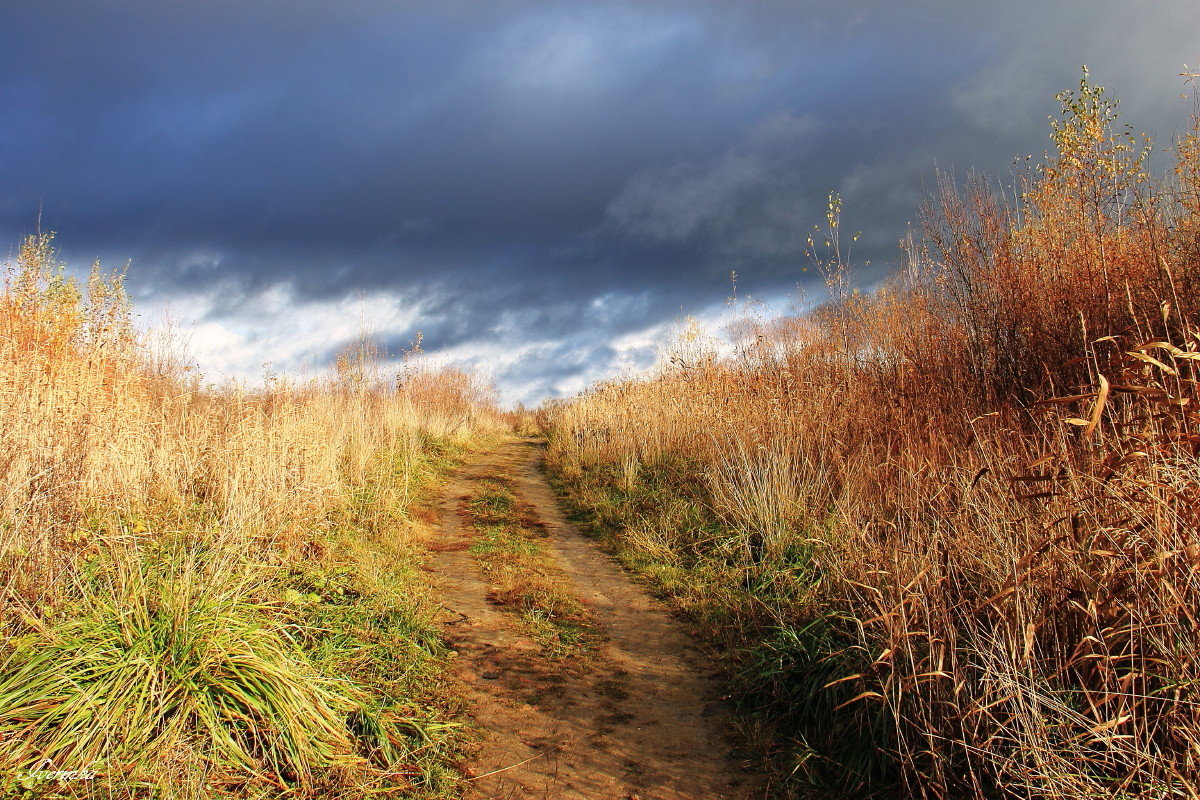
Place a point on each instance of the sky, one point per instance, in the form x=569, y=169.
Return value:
x=539, y=190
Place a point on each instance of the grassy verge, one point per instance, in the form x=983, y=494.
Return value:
x=511, y=549
x=187, y=667
x=213, y=591
x=366, y=613
x=945, y=530
x=659, y=524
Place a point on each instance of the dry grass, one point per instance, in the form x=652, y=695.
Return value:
x=123, y=478
x=948, y=529
x=94, y=440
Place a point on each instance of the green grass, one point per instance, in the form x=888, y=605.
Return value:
x=169, y=653
x=186, y=669
x=367, y=612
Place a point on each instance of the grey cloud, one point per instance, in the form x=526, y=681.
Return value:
x=529, y=173
x=731, y=199
x=1135, y=49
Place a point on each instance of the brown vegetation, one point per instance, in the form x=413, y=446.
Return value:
x=948, y=529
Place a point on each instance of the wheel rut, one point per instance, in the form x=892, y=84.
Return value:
x=640, y=717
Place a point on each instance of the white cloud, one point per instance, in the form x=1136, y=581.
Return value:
x=290, y=335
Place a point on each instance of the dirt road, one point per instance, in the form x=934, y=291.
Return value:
x=638, y=718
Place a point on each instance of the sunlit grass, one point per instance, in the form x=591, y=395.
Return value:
x=213, y=591
x=942, y=533
x=169, y=657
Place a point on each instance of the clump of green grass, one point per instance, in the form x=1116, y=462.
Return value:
x=511, y=549
x=182, y=668
x=169, y=658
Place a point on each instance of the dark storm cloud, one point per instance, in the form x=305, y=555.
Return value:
x=503, y=165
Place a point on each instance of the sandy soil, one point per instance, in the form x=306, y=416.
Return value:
x=638, y=719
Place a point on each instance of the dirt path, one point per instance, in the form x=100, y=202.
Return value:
x=638, y=719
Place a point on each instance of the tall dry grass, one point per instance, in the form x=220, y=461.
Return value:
x=948, y=529
x=147, y=524
x=95, y=441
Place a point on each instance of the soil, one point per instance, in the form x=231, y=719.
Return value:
x=641, y=717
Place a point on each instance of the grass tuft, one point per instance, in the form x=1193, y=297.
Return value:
x=171, y=657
